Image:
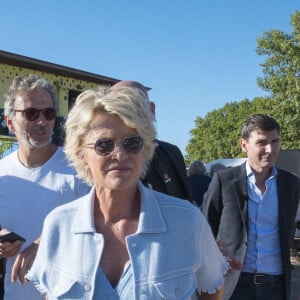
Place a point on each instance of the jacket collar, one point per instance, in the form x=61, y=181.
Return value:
x=84, y=216
x=150, y=220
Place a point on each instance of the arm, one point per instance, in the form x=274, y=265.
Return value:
x=212, y=204
x=24, y=262
x=181, y=169
x=213, y=266
x=175, y=157
x=213, y=209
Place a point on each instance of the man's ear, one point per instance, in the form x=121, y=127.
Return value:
x=9, y=124
x=243, y=144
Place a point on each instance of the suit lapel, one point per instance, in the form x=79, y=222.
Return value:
x=242, y=193
x=283, y=207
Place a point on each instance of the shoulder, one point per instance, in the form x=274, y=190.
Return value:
x=9, y=157
x=232, y=171
x=289, y=177
x=8, y=163
x=60, y=156
x=65, y=212
x=167, y=146
x=177, y=209
x=59, y=163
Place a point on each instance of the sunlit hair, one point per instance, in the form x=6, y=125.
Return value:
x=258, y=122
x=196, y=168
x=128, y=104
x=27, y=83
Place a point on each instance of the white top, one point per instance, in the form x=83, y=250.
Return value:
x=26, y=197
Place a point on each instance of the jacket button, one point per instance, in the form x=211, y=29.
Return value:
x=133, y=244
x=178, y=292
x=87, y=287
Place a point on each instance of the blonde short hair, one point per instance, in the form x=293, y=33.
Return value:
x=129, y=104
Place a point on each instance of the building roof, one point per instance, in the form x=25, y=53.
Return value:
x=44, y=66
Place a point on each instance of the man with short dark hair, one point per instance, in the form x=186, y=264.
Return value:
x=251, y=209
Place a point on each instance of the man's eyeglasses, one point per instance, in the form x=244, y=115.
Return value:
x=32, y=114
x=104, y=146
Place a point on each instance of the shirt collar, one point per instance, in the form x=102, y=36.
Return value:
x=151, y=219
x=84, y=217
x=250, y=172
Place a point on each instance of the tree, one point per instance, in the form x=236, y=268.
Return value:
x=281, y=71
x=6, y=143
x=281, y=68
x=217, y=135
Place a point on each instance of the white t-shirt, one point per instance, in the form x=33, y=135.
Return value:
x=26, y=197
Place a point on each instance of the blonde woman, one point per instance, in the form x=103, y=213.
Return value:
x=123, y=240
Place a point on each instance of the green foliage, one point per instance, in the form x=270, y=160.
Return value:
x=281, y=68
x=6, y=143
x=218, y=134
x=281, y=71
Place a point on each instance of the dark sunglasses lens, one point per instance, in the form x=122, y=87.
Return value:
x=133, y=144
x=50, y=113
x=104, y=146
x=31, y=114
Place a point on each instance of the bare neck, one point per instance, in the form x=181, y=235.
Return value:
x=262, y=174
x=35, y=157
x=113, y=205
x=260, y=178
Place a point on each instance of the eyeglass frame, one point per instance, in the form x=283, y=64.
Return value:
x=115, y=141
x=23, y=111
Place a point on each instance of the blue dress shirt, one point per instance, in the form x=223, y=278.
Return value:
x=263, y=253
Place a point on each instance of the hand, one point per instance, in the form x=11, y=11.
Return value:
x=8, y=249
x=23, y=263
x=233, y=263
x=215, y=296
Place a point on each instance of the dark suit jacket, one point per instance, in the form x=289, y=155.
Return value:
x=167, y=172
x=225, y=207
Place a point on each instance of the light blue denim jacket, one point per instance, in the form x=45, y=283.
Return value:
x=173, y=252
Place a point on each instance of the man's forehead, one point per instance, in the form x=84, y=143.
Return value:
x=264, y=134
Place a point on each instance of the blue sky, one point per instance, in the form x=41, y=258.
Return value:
x=196, y=55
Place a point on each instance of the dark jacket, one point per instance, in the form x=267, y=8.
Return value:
x=167, y=172
x=225, y=207
x=199, y=185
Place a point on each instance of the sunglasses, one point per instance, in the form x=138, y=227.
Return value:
x=32, y=114
x=105, y=146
